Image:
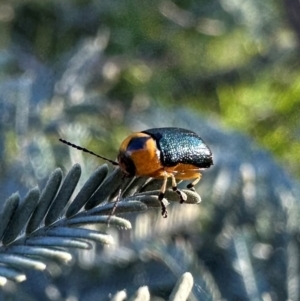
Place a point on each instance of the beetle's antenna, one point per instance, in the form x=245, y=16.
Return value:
x=87, y=151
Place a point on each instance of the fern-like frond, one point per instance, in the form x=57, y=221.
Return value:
x=46, y=225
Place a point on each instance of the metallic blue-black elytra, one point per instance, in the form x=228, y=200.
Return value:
x=181, y=146
x=165, y=153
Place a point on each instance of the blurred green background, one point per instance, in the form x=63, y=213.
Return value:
x=90, y=71
x=233, y=61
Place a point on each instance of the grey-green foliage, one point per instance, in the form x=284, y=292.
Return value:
x=245, y=241
x=46, y=225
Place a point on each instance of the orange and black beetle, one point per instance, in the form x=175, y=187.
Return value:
x=163, y=153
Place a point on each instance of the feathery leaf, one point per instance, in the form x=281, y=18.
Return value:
x=20, y=261
x=182, y=288
x=59, y=242
x=81, y=233
x=142, y=294
x=50, y=253
x=87, y=190
x=12, y=274
x=21, y=216
x=108, y=187
x=8, y=211
x=47, y=196
x=95, y=219
x=64, y=194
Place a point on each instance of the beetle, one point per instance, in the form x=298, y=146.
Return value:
x=168, y=152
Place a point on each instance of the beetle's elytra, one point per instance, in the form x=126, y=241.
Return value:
x=169, y=152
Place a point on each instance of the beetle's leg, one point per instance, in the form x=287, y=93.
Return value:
x=182, y=196
x=161, y=195
x=192, y=185
x=115, y=206
x=117, y=201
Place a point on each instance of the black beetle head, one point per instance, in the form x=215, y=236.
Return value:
x=126, y=164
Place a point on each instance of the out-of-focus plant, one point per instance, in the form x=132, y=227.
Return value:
x=92, y=71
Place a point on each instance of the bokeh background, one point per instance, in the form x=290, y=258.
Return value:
x=94, y=71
